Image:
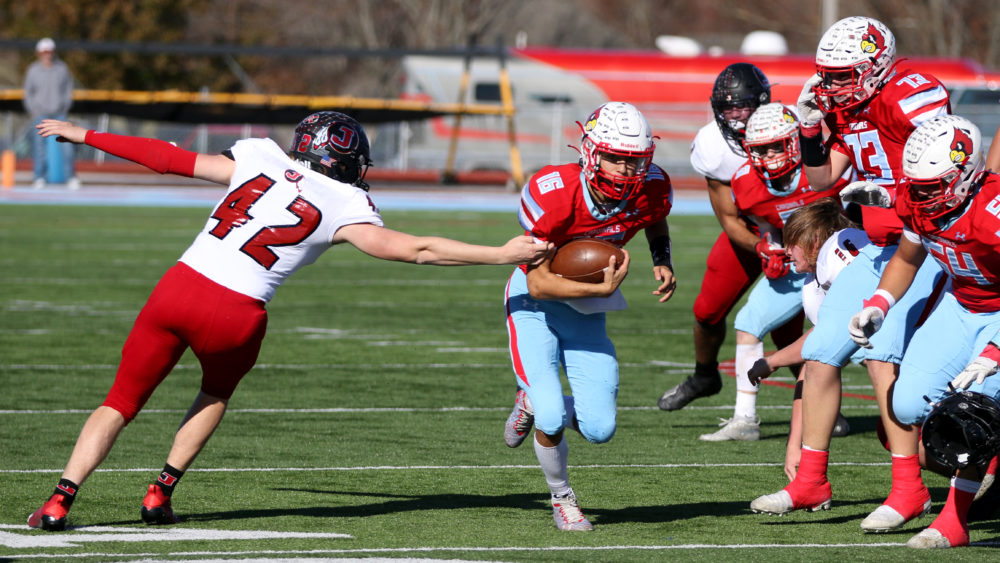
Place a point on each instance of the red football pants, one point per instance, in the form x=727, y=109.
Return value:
x=223, y=328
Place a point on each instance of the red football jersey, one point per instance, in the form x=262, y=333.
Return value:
x=967, y=247
x=768, y=209
x=556, y=207
x=873, y=139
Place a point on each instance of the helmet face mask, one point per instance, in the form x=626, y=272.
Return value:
x=335, y=145
x=617, y=149
x=942, y=161
x=853, y=60
x=740, y=86
x=772, y=141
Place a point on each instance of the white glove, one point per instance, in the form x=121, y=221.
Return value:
x=979, y=369
x=810, y=113
x=865, y=324
x=864, y=192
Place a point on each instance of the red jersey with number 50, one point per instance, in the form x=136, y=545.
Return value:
x=873, y=138
x=276, y=217
x=768, y=209
x=556, y=207
x=967, y=247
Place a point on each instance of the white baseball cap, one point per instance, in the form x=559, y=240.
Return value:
x=45, y=44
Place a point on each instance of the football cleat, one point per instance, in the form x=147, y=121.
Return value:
x=742, y=428
x=987, y=501
x=520, y=420
x=931, y=538
x=690, y=389
x=885, y=518
x=156, y=507
x=567, y=514
x=781, y=502
x=841, y=428
x=51, y=516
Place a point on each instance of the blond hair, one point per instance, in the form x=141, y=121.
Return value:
x=810, y=225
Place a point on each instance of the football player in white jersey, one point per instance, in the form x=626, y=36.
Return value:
x=821, y=241
x=735, y=260
x=281, y=211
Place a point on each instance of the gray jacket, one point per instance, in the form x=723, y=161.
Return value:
x=48, y=90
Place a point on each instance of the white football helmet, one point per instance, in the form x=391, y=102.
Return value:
x=942, y=160
x=772, y=141
x=854, y=58
x=616, y=131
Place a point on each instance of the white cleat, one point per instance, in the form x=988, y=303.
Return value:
x=519, y=422
x=780, y=503
x=567, y=514
x=984, y=486
x=929, y=538
x=741, y=428
x=885, y=518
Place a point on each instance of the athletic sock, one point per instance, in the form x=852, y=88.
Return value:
x=168, y=479
x=952, y=520
x=67, y=489
x=554, y=462
x=810, y=486
x=908, y=494
x=710, y=370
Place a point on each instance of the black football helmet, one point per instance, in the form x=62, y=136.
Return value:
x=334, y=145
x=962, y=430
x=739, y=85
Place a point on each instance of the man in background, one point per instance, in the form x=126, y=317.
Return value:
x=48, y=94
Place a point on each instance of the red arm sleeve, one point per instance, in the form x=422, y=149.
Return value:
x=154, y=154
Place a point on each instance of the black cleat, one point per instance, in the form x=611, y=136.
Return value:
x=690, y=389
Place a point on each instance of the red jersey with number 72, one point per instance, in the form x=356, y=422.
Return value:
x=873, y=139
x=276, y=217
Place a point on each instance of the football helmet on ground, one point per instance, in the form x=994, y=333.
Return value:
x=853, y=60
x=738, y=86
x=616, y=132
x=962, y=430
x=335, y=145
x=942, y=160
x=772, y=141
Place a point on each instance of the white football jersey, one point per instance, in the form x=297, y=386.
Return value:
x=276, y=217
x=711, y=155
x=836, y=253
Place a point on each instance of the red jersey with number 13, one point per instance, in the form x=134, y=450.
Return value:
x=873, y=139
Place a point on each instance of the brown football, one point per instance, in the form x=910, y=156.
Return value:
x=584, y=259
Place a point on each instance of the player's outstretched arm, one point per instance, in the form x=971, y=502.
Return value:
x=388, y=244
x=159, y=156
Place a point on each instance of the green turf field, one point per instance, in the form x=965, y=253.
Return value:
x=372, y=425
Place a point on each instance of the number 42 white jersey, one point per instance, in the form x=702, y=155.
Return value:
x=276, y=217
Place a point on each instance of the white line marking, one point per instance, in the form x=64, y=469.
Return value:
x=379, y=410
x=90, y=534
x=446, y=467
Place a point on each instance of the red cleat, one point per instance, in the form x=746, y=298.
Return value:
x=156, y=507
x=51, y=516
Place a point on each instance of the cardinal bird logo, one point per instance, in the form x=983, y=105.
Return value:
x=787, y=115
x=872, y=42
x=961, y=149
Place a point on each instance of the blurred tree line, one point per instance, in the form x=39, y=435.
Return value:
x=967, y=28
